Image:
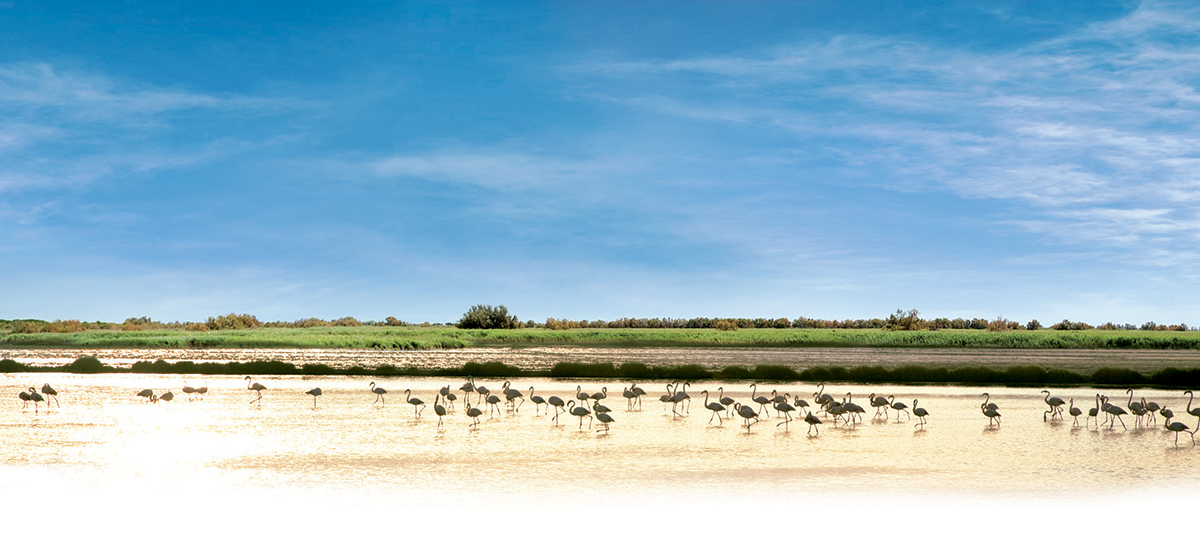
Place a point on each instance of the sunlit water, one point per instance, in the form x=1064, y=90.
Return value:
x=193, y=468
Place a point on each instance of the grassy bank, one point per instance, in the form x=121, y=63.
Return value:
x=906, y=374
x=417, y=338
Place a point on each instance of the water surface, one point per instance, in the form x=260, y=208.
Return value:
x=281, y=465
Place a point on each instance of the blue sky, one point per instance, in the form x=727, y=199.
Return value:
x=594, y=160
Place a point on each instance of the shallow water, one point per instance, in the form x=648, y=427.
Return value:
x=283, y=465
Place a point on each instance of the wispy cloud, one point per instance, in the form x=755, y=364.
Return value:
x=503, y=171
x=1096, y=132
x=67, y=129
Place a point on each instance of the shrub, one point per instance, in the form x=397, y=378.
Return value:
x=1000, y=324
x=736, y=372
x=489, y=369
x=583, y=369
x=635, y=370
x=86, y=364
x=725, y=325
x=12, y=366
x=1033, y=325
x=234, y=322
x=775, y=373
x=1118, y=376
x=905, y=320
x=488, y=318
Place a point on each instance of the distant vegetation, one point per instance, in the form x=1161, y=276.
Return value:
x=636, y=371
x=449, y=337
x=484, y=325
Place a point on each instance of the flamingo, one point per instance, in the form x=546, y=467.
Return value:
x=747, y=412
x=35, y=398
x=49, y=391
x=777, y=398
x=603, y=417
x=580, y=412
x=1094, y=414
x=559, y=406
x=812, y=422
x=666, y=398
x=26, y=398
x=511, y=394
x=1055, y=406
x=1178, y=427
x=800, y=403
x=785, y=408
x=715, y=407
x=853, y=408
x=1151, y=408
x=415, y=402
x=379, y=391
x=992, y=411
x=493, y=403
x=538, y=401
x=680, y=397
x=314, y=393
x=1136, y=408
x=483, y=393
x=1115, y=412
x=629, y=396
x=467, y=388
x=450, y=399
x=201, y=391
x=1194, y=412
x=880, y=403
x=837, y=411
x=920, y=412
x=726, y=401
x=1075, y=412
x=256, y=387
x=167, y=396
x=438, y=409
x=1167, y=415
x=473, y=412
x=899, y=407
x=188, y=390
x=762, y=401
x=603, y=393
x=580, y=394
x=146, y=394
x=820, y=397
x=639, y=391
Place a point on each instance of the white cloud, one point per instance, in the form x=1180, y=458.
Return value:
x=1096, y=132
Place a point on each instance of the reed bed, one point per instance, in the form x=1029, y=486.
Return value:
x=905, y=374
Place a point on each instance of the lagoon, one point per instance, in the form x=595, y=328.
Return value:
x=194, y=468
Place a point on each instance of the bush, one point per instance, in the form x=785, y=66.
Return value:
x=725, y=325
x=489, y=370
x=86, y=364
x=233, y=322
x=488, y=318
x=775, y=373
x=573, y=370
x=736, y=372
x=905, y=320
x=12, y=366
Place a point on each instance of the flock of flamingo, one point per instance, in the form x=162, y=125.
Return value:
x=1143, y=412
x=845, y=410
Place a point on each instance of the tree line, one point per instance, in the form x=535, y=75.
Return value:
x=497, y=317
